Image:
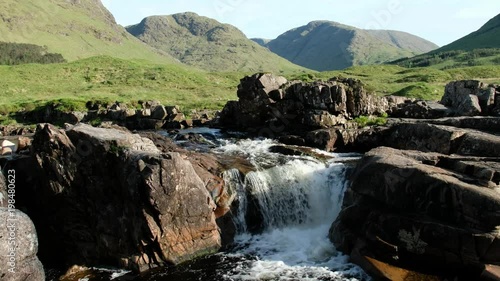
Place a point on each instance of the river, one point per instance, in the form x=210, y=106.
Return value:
x=296, y=198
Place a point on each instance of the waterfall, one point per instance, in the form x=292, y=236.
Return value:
x=296, y=198
x=233, y=180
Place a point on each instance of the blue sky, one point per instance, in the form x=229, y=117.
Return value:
x=438, y=21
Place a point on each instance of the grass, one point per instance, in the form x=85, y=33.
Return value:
x=70, y=85
x=371, y=120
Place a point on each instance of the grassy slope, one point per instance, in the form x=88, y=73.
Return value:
x=488, y=36
x=207, y=44
x=110, y=79
x=76, y=29
x=481, y=47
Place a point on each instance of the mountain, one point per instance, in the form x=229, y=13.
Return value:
x=488, y=36
x=327, y=45
x=207, y=44
x=481, y=47
x=74, y=28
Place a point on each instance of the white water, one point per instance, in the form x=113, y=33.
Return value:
x=299, y=198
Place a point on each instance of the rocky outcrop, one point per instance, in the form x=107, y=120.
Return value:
x=150, y=116
x=470, y=98
x=274, y=105
x=107, y=196
x=428, y=211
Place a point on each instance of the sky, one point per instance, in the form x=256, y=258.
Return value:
x=440, y=21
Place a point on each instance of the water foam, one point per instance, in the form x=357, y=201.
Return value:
x=299, y=198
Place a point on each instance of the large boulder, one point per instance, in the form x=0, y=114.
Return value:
x=423, y=211
x=442, y=139
x=112, y=197
x=19, y=247
x=469, y=97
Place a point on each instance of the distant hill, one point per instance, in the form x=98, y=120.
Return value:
x=74, y=28
x=207, y=44
x=481, y=47
x=327, y=45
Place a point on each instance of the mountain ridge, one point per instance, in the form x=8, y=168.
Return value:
x=487, y=36
x=481, y=47
x=207, y=44
x=74, y=28
x=327, y=45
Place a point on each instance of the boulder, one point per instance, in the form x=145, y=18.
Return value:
x=424, y=137
x=469, y=97
x=442, y=139
x=19, y=247
x=323, y=139
x=159, y=112
x=157, y=209
x=411, y=208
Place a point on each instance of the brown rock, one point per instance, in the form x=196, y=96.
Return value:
x=158, y=210
x=422, y=204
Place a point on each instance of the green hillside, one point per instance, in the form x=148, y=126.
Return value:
x=327, y=45
x=71, y=85
x=110, y=79
x=74, y=28
x=208, y=44
x=488, y=36
x=481, y=47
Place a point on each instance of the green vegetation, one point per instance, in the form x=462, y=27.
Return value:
x=14, y=53
x=488, y=36
x=453, y=59
x=481, y=47
x=371, y=120
x=75, y=29
x=68, y=86
x=326, y=45
x=104, y=80
x=208, y=44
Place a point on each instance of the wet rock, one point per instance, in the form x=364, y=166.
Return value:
x=323, y=139
x=412, y=208
x=19, y=260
